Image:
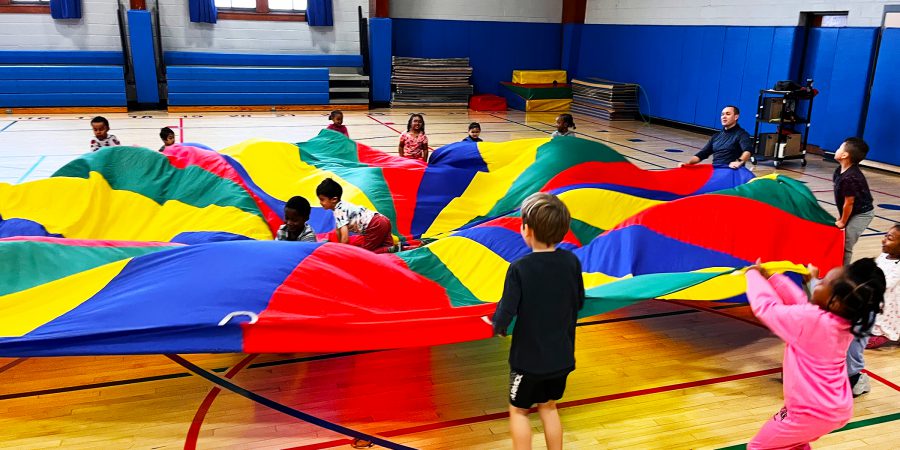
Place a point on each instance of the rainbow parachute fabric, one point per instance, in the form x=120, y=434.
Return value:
x=128, y=250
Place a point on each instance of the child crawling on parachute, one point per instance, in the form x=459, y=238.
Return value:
x=374, y=227
x=296, y=216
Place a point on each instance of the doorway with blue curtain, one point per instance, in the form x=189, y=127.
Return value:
x=838, y=59
x=884, y=96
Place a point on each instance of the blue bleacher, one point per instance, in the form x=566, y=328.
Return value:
x=61, y=78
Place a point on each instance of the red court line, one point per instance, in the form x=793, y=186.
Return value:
x=716, y=311
x=882, y=380
x=190, y=441
x=395, y=130
x=12, y=364
x=561, y=405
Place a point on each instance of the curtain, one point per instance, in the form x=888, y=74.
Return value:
x=203, y=10
x=65, y=9
x=319, y=13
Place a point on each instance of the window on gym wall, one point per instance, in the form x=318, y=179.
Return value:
x=288, y=10
x=828, y=19
x=25, y=6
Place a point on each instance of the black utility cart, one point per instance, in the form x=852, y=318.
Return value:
x=778, y=108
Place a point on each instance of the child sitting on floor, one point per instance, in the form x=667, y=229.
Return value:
x=337, y=122
x=374, y=227
x=102, y=138
x=474, y=132
x=167, y=136
x=296, y=216
x=414, y=143
x=563, y=123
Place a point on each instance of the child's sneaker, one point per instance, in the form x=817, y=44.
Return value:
x=877, y=341
x=861, y=386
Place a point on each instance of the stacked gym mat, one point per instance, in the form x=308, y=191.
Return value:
x=431, y=82
x=604, y=99
x=538, y=90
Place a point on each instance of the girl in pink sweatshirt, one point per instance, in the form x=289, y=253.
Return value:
x=817, y=396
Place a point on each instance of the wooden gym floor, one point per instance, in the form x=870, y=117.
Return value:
x=665, y=375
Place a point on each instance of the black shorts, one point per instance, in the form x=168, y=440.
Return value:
x=526, y=390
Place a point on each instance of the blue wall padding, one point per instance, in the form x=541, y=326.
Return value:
x=884, y=105
x=380, y=59
x=240, y=59
x=68, y=99
x=34, y=86
x=61, y=73
x=571, y=46
x=247, y=87
x=143, y=56
x=688, y=73
x=60, y=57
x=838, y=59
x=494, y=49
x=245, y=74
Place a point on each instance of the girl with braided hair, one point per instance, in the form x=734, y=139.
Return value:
x=817, y=334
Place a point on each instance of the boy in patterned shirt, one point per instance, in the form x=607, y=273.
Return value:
x=374, y=227
x=296, y=228
x=102, y=138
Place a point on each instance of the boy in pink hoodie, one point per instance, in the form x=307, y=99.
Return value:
x=817, y=333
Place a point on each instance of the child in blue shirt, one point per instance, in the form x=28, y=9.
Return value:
x=474, y=132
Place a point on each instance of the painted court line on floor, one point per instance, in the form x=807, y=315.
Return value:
x=190, y=442
x=852, y=425
x=560, y=405
x=8, y=125
x=284, y=409
x=34, y=166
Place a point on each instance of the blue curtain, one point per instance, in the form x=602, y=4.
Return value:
x=203, y=10
x=319, y=13
x=65, y=9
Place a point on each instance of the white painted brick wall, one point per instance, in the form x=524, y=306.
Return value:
x=482, y=10
x=260, y=37
x=862, y=13
x=96, y=30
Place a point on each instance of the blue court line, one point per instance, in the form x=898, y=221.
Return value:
x=284, y=409
x=34, y=166
x=10, y=124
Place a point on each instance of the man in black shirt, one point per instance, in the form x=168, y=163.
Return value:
x=730, y=147
x=544, y=290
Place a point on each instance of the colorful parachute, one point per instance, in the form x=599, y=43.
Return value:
x=128, y=250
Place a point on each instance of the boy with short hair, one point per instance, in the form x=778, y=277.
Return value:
x=102, y=138
x=374, y=227
x=474, y=132
x=296, y=216
x=167, y=136
x=544, y=290
x=851, y=193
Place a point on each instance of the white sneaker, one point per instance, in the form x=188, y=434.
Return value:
x=862, y=385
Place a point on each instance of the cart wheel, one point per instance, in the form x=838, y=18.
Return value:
x=803, y=162
x=776, y=163
x=753, y=160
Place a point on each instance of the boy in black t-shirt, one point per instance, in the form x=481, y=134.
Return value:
x=851, y=193
x=544, y=290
